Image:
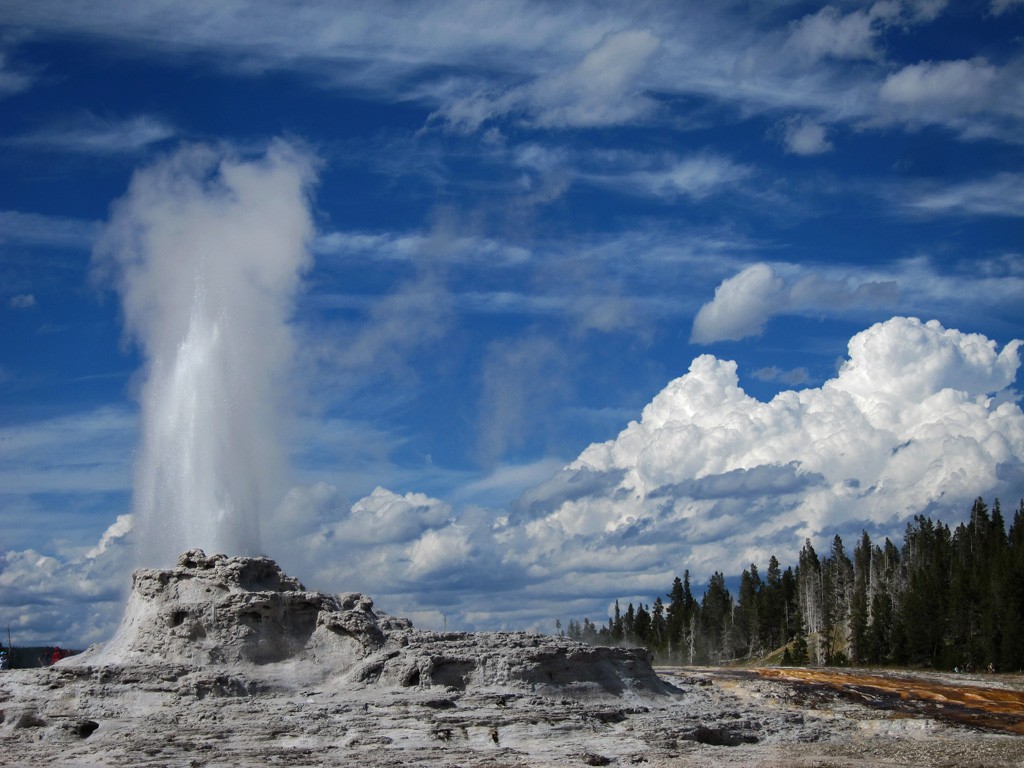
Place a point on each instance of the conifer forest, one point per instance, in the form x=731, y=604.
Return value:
x=946, y=599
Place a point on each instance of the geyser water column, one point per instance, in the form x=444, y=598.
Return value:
x=206, y=250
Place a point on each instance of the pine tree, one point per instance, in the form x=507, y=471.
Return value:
x=617, y=632
x=860, y=606
x=658, y=641
x=715, y=616
x=629, y=625
x=746, y=619
x=773, y=608
x=790, y=602
x=675, y=619
x=809, y=584
x=1011, y=655
x=642, y=626
x=799, y=655
x=923, y=605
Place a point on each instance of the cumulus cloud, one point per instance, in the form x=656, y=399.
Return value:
x=830, y=33
x=920, y=418
x=806, y=137
x=909, y=422
x=744, y=303
x=67, y=599
x=741, y=307
x=963, y=84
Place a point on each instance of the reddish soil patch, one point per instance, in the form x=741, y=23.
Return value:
x=970, y=704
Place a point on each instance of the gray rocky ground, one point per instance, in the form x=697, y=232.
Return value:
x=228, y=662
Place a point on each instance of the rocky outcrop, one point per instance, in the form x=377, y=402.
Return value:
x=245, y=613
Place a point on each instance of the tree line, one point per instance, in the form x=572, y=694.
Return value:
x=946, y=598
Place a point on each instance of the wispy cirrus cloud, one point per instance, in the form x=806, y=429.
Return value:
x=83, y=452
x=12, y=81
x=38, y=229
x=602, y=89
x=745, y=302
x=570, y=65
x=998, y=195
x=96, y=136
x=696, y=177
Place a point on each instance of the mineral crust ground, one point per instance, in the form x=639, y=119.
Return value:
x=229, y=662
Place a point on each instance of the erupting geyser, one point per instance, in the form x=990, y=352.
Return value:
x=207, y=251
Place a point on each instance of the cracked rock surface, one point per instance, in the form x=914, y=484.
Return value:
x=229, y=662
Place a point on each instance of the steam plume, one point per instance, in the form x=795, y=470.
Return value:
x=206, y=251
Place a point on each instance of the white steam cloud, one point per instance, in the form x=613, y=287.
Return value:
x=206, y=251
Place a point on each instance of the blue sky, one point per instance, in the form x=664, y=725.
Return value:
x=514, y=226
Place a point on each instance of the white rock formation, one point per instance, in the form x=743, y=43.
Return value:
x=245, y=614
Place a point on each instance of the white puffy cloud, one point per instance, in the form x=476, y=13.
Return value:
x=741, y=307
x=745, y=302
x=66, y=598
x=939, y=88
x=908, y=425
x=806, y=137
x=920, y=419
x=829, y=33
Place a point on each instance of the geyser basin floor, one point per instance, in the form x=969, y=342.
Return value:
x=82, y=716
x=229, y=662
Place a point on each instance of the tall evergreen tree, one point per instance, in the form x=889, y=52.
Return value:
x=746, y=616
x=809, y=583
x=658, y=639
x=860, y=606
x=642, y=626
x=715, y=615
